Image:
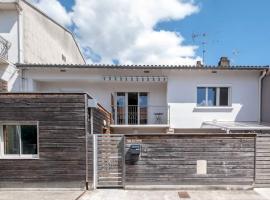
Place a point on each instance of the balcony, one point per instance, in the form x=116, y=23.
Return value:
x=141, y=115
x=4, y=47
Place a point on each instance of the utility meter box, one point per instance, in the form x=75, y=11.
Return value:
x=135, y=149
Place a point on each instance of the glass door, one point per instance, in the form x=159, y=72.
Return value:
x=143, y=107
x=121, y=108
x=132, y=108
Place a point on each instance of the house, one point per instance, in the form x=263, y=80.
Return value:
x=64, y=123
x=27, y=36
x=159, y=99
x=169, y=125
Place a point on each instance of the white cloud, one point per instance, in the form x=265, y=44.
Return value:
x=161, y=47
x=54, y=10
x=123, y=30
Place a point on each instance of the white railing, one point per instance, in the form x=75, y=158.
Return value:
x=141, y=115
x=4, y=47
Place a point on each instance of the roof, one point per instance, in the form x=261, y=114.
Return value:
x=237, y=126
x=108, y=66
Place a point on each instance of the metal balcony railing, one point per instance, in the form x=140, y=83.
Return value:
x=141, y=115
x=4, y=47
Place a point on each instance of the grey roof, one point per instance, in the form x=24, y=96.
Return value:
x=107, y=66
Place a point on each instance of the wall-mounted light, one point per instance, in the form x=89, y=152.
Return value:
x=63, y=70
x=146, y=71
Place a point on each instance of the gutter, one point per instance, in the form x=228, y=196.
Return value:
x=263, y=75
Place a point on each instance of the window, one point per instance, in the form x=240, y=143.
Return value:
x=213, y=96
x=18, y=141
x=131, y=108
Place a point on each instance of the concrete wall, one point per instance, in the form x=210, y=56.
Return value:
x=45, y=41
x=266, y=99
x=182, y=97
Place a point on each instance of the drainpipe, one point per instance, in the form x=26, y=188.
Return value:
x=264, y=73
x=20, y=32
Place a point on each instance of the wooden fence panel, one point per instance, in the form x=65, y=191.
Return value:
x=172, y=159
x=263, y=160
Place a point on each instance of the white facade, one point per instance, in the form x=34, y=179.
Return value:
x=182, y=97
x=179, y=92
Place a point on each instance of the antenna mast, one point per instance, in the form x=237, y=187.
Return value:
x=202, y=43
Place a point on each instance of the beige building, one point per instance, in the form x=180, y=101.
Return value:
x=27, y=35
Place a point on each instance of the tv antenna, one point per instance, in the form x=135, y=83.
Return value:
x=202, y=42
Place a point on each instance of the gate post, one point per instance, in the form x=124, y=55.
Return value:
x=95, y=163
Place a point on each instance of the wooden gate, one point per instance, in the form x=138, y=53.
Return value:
x=110, y=160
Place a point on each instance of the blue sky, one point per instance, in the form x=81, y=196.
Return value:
x=239, y=29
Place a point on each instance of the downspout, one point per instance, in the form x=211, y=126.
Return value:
x=20, y=32
x=264, y=73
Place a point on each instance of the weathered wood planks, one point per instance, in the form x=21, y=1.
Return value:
x=62, y=147
x=263, y=160
x=172, y=160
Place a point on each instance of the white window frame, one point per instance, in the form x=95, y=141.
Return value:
x=126, y=105
x=18, y=156
x=217, y=96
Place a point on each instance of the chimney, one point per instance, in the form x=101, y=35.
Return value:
x=224, y=62
x=198, y=63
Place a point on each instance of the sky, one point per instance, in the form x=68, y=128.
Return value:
x=166, y=31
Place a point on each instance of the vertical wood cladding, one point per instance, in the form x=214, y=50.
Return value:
x=172, y=159
x=263, y=160
x=100, y=115
x=62, y=148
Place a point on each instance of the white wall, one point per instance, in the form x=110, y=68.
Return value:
x=180, y=92
x=102, y=91
x=45, y=41
x=182, y=97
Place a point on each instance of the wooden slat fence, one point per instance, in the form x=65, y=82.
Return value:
x=263, y=160
x=172, y=159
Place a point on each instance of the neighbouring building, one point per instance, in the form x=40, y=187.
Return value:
x=27, y=35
